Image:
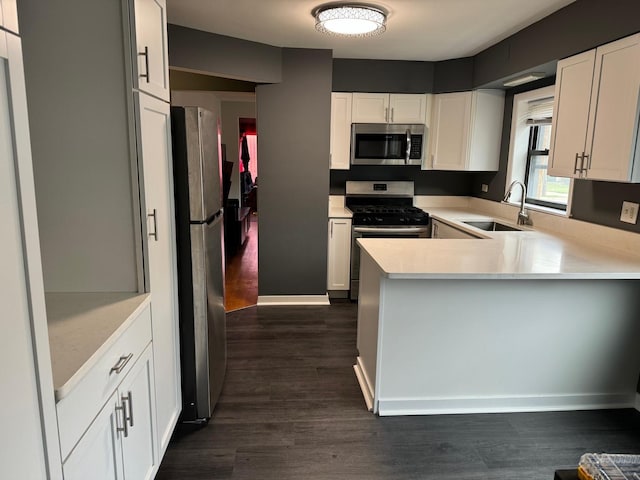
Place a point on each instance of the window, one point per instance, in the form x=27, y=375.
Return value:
x=543, y=189
x=529, y=151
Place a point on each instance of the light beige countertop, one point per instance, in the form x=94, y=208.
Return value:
x=82, y=326
x=528, y=254
x=337, y=208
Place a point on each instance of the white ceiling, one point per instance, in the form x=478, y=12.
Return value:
x=428, y=30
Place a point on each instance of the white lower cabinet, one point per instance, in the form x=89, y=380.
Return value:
x=339, y=254
x=444, y=231
x=120, y=442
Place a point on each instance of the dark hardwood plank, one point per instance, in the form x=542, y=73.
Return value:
x=291, y=408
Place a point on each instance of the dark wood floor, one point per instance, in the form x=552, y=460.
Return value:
x=291, y=409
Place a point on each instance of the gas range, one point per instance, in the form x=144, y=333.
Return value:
x=388, y=215
x=383, y=204
x=381, y=210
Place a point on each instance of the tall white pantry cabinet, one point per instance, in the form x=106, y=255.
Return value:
x=87, y=198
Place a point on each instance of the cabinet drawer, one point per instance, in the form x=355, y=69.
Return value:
x=77, y=410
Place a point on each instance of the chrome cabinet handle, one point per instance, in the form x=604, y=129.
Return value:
x=154, y=234
x=386, y=114
x=391, y=114
x=122, y=362
x=587, y=156
x=575, y=165
x=146, y=63
x=435, y=231
x=124, y=429
x=331, y=230
x=127, y=413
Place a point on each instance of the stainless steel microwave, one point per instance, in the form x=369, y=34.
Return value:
x=387, y=144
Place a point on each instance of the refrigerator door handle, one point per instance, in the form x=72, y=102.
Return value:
x=154, y=234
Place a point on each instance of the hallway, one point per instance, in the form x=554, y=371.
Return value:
x=241, y=275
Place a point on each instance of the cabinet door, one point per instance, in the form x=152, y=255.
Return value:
x=137, y=400
x=444, y=231
x=571, y=114
x=9, y=15
x=340, y=130
x=157, y=173
x=450, y=131
x=98, y=455
x=487, y=110
x=370, y=108
x=21, y=445
x=339, y=254
x=406, y=108
x=613, y=124
x=151, y=60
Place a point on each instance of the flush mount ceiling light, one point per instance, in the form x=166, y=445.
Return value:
x=350, y=20
x=522, y=79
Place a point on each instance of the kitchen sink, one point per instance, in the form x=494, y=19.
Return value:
x=492, y=226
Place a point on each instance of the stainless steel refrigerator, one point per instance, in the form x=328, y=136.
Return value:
x=199, y=229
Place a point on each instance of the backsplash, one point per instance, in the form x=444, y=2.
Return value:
x=425, y=182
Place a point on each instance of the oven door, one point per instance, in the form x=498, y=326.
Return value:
x=376, y=232
x=380, y=144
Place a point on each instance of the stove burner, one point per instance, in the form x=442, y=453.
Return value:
x=388, y=215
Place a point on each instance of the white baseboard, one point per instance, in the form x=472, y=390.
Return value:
x=543, y=403
x=268, y=300
x=365, y=386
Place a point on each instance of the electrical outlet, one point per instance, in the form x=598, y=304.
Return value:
x=485, y=187
x=629, y=212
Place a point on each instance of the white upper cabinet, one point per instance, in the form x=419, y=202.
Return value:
x=151, y=60
x=9, y=15
x=407, y=108
x=466, y=129
x=340, y=130
x=571, y=114
x=595, y=122
x=370, y=108
x=389, y=108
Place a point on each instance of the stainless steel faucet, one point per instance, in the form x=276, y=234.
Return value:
x=523, y=216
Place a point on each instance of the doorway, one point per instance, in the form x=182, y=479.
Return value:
x=241, y=279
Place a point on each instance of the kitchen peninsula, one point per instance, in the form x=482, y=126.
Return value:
x=507, y=321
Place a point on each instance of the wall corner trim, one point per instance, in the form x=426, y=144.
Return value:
x=269, y=300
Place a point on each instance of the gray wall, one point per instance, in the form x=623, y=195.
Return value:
x=293, y=144
x=580, y=26
x=203, y=52
x=382, y=76
x=425, y=182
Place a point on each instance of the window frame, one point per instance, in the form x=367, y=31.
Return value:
x=519, y=143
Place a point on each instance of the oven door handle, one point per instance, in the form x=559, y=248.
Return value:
x=391, y=231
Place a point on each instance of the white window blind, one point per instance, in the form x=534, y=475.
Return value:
x=540, y=111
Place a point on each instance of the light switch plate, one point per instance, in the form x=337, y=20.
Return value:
x=485, y=187
x=629, y=212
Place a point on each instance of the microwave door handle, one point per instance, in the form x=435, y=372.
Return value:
x=408, y=152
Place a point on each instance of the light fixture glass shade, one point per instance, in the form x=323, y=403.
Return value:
x=350, y=20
